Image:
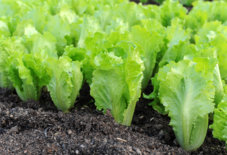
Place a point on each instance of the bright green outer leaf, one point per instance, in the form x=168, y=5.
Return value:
x=118, y=86
x=150, y=44
x=186, y=90
x=108, y=89
x=133, y=73
x=65, y=82
x=219, y=125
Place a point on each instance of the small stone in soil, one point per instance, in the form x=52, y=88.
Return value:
x=14, y=129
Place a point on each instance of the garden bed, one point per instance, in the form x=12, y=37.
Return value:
x=184, y=54
x=38, y=128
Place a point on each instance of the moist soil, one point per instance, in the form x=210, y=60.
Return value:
x=39, y=128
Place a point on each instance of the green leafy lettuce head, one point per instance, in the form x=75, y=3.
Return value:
x=65, y=82
x=116, y=86
x=186, y=90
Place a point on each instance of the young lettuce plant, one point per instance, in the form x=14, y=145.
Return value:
x=65, y=82
x=186, y=91
x=9, y=47
x=28, y=75
x=117, y=81
x=23, y=64
x=25, y=72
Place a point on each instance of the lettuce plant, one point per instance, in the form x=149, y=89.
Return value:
x=186, y=90
x=65, y=82
x=28, y=74
x=116, y=86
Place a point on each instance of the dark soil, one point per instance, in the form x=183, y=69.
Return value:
x=148, y=2
x=38, y=128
